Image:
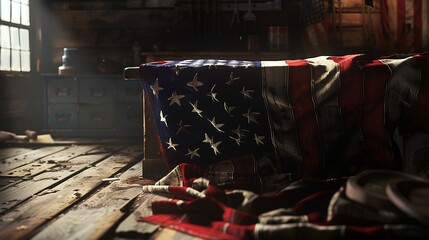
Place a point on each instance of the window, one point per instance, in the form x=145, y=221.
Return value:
x=15, y=36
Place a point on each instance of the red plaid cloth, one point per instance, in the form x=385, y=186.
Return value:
x=302, y=210
x=248, y=172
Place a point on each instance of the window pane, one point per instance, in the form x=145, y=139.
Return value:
x=5, y=37
x=25, y=61
x=24, y=39
x=15, y=52
x=16, y=13
x=25, y=15
x=5, y=59
x=5, y=10
x=16, y=60
x=14, y=37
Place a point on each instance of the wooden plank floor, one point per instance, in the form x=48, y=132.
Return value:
x=76, y=190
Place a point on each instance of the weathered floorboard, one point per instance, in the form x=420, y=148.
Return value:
x=170, y=234
x=131, y=227
x=94, y=217
x=23, y=190
x=31, y=215
x=35, y=167
x=6, y=152
x=25, y=158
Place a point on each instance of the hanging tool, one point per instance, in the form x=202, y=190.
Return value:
x=235, y=14
x=250, y=17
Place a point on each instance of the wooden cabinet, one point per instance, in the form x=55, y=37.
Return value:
x=93, y=106
x=354, y=24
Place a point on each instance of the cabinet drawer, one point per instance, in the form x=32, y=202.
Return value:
x=62, y=90
x=61, y=116
x=97, y=116
x=130, y=116
x=97, y=90
x=129, y=91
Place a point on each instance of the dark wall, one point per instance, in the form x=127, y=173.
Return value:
x=21, y=102
x=22, y=95
x=108, y=30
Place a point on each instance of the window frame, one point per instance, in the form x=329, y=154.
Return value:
x=32, y=42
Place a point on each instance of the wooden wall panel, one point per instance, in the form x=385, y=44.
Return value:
x=110, y=33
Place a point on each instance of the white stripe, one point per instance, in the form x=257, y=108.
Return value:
x=155, y=189
x=194, y=193
x=225, y=228
x=318, y=59
x=325, y=89
x=280, y=63
x=393, y=63
x=402, y=89
x=179, y=203
x=280, y=114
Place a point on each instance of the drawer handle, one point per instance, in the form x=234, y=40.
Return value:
x=133, y=117
x=62, y=117
x=62, y=92
x=98, y=92
x=97, y=117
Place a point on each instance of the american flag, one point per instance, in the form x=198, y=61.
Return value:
x=208, y=110
x=315, y=26
x=404, y=26
x=323, y=117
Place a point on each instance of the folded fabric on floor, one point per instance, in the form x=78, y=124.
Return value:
x=302, y=210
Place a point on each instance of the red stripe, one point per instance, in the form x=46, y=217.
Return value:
x=375, y=134
x=418, y=24
x=182, y=223
x=190, y=172
x=305, y=117
x=350, y=97
x=400, y=20
x=350, y=101
x=366, y=232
